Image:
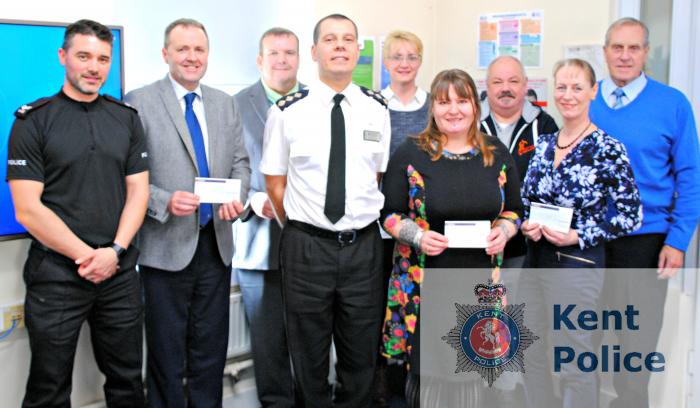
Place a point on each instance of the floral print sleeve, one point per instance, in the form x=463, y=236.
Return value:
x=405, y=202
x=595, y=179
x=625, y=215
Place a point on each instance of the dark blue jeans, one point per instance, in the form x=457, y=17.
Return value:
x=543, y=254
x=564, y=276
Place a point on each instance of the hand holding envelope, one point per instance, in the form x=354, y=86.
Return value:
x=217, y=190
x=556, y=218
x=475, y=234
x=552, y=222
x=433, y=243
x=467, y=234
x=226, y=192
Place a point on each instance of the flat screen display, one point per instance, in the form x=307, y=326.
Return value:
x=32, y=71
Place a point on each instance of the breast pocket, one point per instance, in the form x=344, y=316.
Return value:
x=302, y=152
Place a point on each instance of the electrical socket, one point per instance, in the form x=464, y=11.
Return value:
x=10, y=313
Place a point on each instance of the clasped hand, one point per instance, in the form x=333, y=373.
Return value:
x=98, y=265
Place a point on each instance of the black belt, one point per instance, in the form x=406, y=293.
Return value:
x=344, y=237
x=38, y=245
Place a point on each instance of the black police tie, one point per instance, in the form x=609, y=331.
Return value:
x=335, y=187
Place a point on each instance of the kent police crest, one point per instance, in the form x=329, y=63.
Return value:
x=488, y=337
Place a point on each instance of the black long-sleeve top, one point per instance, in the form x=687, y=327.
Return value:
x=457, y=187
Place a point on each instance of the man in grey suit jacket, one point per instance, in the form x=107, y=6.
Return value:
x=257, y=238
x=192, y=131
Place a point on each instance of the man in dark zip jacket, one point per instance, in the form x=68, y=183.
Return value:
x=517, y=123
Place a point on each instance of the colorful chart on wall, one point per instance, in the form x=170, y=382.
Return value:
x=518, y=34
x=363, y=74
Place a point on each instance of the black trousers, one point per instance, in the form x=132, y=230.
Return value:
x=332, y=292
x=636, y=285
x=58, y=301
x=187, y=319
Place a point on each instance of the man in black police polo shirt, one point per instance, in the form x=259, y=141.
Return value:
x=77, y=169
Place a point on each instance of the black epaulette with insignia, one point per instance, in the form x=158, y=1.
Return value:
x=285, y=101
x=118, y=102
x=25, y=110
x=376, y=96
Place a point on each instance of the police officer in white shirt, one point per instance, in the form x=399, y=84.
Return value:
x=325, y=148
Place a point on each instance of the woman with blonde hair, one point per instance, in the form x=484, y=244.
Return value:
x=585, y=171
x=408, y=104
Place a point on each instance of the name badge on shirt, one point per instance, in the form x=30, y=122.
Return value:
x=372, y=136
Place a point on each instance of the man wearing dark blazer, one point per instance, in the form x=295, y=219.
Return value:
x=255, y=260
x=192, y=131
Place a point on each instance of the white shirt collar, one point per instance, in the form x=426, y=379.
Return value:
x=326, y=93
x=181, y=91
x=395, y=103
x=632, y=89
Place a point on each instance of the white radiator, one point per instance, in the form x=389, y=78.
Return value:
x=238, y=333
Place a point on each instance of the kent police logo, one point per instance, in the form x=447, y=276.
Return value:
x=488, y=337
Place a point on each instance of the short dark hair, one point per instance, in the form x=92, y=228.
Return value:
x=185, y=22
x=86, y=27
x=336, y=16
x=277, y=32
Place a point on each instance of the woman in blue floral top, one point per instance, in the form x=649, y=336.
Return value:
x=584, y=169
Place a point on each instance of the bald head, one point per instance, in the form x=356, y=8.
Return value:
x=506, y=87
x=508, y=61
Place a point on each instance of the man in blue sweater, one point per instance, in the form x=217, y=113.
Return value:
x=655, y=123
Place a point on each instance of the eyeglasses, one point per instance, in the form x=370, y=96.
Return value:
x=412, y=58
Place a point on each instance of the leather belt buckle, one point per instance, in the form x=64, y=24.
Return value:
x=347, y=237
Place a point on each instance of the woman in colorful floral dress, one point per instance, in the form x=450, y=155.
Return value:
x=449, y=172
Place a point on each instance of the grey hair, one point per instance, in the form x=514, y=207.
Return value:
x=626, y=21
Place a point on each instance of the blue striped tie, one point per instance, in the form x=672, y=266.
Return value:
x=205, y=210
x=619, y=93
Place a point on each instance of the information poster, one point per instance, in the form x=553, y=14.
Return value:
x=516, y=34
x=363, y=73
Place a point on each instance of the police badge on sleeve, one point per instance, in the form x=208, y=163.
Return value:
x=490, y=338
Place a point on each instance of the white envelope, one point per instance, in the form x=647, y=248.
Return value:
x=217, y=190
x=556, y=218
x=467, y=234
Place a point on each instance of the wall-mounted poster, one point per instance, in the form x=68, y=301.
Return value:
x=517, y=34
x=363, y=74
